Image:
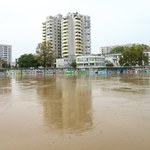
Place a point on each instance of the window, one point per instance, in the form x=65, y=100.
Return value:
x=91, y=64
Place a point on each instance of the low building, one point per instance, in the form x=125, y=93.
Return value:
x=63, y=63
x=90, y=61
x=113, y=58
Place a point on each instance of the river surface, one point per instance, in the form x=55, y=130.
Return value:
x=75, y=112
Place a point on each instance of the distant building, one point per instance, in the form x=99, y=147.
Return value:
x=113, y=59
x=6, y=53
x=107, y=49
x=90, y=61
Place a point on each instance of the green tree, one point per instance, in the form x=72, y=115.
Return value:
x=145, y=47
x=119, y=49
x=46, y=54
x=110, y=65
x=4, y=64
x=1, y=62
x=27, y=61
x=133, y=56
x=73, y=64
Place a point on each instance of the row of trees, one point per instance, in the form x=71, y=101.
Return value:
x=121, y=49
x=132, y=55
x=45, y=57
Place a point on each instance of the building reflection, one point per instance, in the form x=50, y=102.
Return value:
x=5, y=85
x=66, y=104
x=137, y=79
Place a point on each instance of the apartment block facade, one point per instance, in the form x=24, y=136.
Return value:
x=51, y=31
x=76, y=35
x=6, y=53
x=70, y=35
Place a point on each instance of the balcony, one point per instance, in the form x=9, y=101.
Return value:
x=64, y=31
x=44, y=24
x=65, y=28
x=65, y=20
x=78, y=38
x=64, y=37
x=78, y=34
x=65, y=55
x=77, y=23
x=65, y=50
x=43, y=29
x=64, y=44
x=77, y=46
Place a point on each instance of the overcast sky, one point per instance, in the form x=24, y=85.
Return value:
x=113, y=22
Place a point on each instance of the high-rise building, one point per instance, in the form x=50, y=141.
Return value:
x=51, y=31
x=6, y=53
x=76, y=35
x=70, y=35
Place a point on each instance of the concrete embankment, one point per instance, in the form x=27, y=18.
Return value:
x=99, y=71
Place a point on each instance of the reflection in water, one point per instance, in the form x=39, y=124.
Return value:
x=75, y=112
x=5, y=85
x=125, y=83
x=67, y=105
x=138, y=79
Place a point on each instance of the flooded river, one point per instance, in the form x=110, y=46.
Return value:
x=75, y=112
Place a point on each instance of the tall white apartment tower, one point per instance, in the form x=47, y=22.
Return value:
x=6, y=53
x=75, y=35
x=51, y=31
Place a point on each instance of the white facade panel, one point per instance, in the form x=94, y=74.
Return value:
x=90, y=61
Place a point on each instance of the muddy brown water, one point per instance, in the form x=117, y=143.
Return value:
x=75, y=112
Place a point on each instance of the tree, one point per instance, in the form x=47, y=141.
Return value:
x=46, y=54
x=133, y=56
x=4, y=64
x=119, y=49
x=110, y=65
x=1, y=62
x=73, y=64
x=27, y=61
x=145, y=47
